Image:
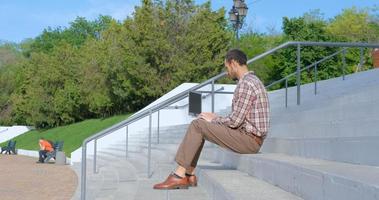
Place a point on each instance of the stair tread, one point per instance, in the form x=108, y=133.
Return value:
x=361, y=173
x=240, y=185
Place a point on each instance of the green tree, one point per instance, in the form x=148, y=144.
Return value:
x=310, y=27
x=254, y=44
x=48, y=95
x=10, y=58
x=173, y=42
x=76, y=34
x=354, y=25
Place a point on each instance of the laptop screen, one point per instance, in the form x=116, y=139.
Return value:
x=194, y=107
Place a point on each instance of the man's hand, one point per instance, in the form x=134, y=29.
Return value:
x=207, y=116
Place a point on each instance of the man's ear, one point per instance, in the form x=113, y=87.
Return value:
x=234, y=64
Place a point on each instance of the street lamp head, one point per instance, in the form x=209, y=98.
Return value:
x=233, y=15
x=238, y=13
x=242, y=9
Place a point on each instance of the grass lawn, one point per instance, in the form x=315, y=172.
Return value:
x=73, y=135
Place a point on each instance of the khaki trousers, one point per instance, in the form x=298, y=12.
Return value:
x=200, y=130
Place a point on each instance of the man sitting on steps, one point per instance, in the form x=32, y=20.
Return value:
x=242, y=131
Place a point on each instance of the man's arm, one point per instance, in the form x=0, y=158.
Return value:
x=244, y=100
x=40, y=146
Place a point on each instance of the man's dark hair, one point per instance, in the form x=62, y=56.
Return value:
x=237, y=55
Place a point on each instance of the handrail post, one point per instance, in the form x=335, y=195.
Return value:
x=343, y=63
x=158, y=127
x=83, y=172
x=213, y=96
x=94, y=155
x=315, y=79
x=126, y=141
x=286, y=92
x=149, y=146
x=360, y=59
x=298, y=54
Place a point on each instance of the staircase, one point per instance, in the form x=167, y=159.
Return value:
x=326, y=148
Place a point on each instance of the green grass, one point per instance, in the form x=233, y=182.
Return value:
x=73, y=135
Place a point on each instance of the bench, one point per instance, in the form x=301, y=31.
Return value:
x=10, y=148
x=58, y=146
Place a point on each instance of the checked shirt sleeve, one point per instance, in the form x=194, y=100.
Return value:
x=243, y=100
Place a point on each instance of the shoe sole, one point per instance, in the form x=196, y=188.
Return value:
x=174, y=188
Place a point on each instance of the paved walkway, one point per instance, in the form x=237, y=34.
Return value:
x=22, y=178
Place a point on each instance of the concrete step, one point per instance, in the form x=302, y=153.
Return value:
x=106, y=181
x=337, y=104
x=223, y=184
x=352, y=82
x=356, y=150
x=121, y=147
x=164, y=137
x=119, y=166
x=145, y=190
x=327, y=89
x=138, y=160
x=165, y=154
x=162, y=165
x=125, y=190
x=308, y=178
x=206, y=171
x=339, y=112
x=94, y=184
x=331, y=129
x=167, y=128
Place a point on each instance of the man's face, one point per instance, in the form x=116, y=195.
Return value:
x=230, y=68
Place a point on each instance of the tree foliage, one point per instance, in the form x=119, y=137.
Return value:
x=356, y=25
x=104, y=67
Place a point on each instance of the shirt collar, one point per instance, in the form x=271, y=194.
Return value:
x=245, y=74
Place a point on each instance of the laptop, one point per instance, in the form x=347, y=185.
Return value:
x=194, y=107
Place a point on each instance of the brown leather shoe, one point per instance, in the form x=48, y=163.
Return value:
x=192, y=180
x=173, y=182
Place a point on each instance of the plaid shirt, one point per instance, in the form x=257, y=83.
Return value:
x=250, y=107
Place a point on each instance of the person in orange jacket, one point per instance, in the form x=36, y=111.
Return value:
x=45, y=147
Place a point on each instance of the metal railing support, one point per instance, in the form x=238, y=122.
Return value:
x=286, y=93
x=213, y=96
x=158, y=127
x=298, y=71
x=343, y=64
x=94, y=156
x=83, y=174
x=360, y=59
x=149, y=146
x=315, y=77
x=126, y=141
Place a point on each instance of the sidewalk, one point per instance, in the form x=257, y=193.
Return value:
x=22, y=178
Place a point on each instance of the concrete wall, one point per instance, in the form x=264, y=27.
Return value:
x=168, y=117
x=9, y=132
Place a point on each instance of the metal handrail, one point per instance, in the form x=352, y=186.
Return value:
x=315, y=72
x=208, y=93
x=307, y=67
x=185, y=93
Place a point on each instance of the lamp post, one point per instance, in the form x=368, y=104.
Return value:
x=237, y=15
